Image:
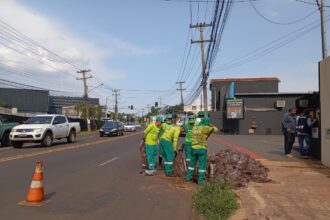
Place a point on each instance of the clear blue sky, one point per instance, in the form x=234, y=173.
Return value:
x=138, y=46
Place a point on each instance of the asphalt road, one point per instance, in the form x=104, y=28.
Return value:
x=94, y=178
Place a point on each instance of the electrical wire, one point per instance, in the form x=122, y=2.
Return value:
x=311, y=3
x=271, y=46
x=279, y=23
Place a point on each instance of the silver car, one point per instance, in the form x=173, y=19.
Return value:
x=129, y=126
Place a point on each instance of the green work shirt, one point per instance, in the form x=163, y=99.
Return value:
x=164, y=127
x=151, y=134
x=199, y=135
x=172, y=134
x=188, y=129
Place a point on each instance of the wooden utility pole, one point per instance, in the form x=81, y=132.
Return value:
x=84, y=78
x=201, y=27
x=181, y=91
x=116, y=94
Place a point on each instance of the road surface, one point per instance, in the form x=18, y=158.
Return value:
x=94, y=178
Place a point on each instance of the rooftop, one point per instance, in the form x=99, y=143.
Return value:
x=244, y=79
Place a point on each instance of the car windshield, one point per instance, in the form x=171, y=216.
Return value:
x=109, y=125
x=40, y=120
x=129, y=123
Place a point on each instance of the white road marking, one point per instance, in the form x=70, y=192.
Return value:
x=5, y=148
x=106, y=162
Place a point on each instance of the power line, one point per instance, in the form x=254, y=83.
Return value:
x=272, y=46
x=311, y=3
x=26, y=85
x=279, y=23
x=30, y=41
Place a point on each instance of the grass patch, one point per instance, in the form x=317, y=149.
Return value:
x=215, y=200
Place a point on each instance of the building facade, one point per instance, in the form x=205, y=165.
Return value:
x=251, y=105
x=25, y=100
x=195, y=107
x=57, y=102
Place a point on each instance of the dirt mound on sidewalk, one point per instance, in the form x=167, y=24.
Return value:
x=236, y=168
x=179, y=165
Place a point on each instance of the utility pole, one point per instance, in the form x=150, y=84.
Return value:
x=148, y=108
x=106, y=107
x=323, y=29
x=160, y=102
x=84, y=78
x=116, y=94
x=201, y=27
x=181, y=91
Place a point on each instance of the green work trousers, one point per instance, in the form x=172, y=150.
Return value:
x=199, y=155
x=168, y=155
x=151, y=153
x=187, y=151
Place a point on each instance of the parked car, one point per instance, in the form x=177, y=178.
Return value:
x=137, y=125
x=112, y=128
x=130, y=126
x=5, y=129
x=44, y=129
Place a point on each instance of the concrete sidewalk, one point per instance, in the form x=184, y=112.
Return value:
x=299, y=188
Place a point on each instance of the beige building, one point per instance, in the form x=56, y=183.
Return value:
x=324, y=71
x=196, y=106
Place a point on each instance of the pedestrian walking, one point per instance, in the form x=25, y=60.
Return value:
x=289, y=130
x=187, y=127
x=151, y=135
x=200, y=133
x=168, y=144
x=304, y=132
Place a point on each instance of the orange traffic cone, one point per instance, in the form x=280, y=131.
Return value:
x=36, y=191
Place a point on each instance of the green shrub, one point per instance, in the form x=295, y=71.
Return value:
x=215, y=200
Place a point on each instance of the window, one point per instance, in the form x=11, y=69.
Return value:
x=60, y=120
x=193, y=107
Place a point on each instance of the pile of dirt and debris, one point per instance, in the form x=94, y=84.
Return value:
x=179, y=165
x=236, y=168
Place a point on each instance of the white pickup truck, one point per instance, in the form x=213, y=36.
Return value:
x=44, y=129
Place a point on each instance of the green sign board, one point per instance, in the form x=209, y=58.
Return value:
x=235, y=108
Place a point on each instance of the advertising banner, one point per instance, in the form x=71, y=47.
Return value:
x=235, y=108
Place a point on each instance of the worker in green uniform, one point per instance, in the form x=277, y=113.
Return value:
x=151, y=135
x=168, y=144
x=187, y=128
x=200, y=116
x=199, y=137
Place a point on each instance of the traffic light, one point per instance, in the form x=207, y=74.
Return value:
x=156, y=104
x=131, y=107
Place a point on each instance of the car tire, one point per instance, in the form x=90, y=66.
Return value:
x=101, y=135
x=5, y=141
x=72, y=137
x=47, y=141
x=17, y=144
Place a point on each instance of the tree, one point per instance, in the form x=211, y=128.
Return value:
x=174, y=109
x=95, y=112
